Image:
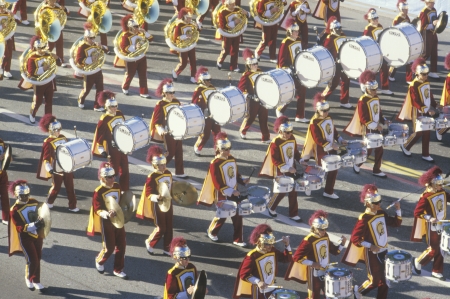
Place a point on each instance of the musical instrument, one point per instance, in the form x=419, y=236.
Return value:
x=184, y=193
x=236, y=30
x=43, y=212
x=73, y=155
x=42, y=79
x=314, y=66
x=131, y=135
x=166, y=198
x=258, y=192
x=244, y=208
x=178, y=44
x=301, y=185
x=360, y=54
x=200, y=286
x=227, y=105
x=331, y=162
x=199, y=7
x=283, y=184
x=400, y=132
x=275, y=88
x=225, y=208
x=408, y=43
x=128, y=205
x=185, y=121
x=441, y=123
x=445, y=238
x=8, y=25
x=373, y=140
x=424, y=123
x=263, y=20
x=356, y=153
x=7, y=158
x=141, y=48
x=146, y=11
x=97, y=55
x=100, y=16
x=258, y=204
x=338, y=283
x=398, y=265
x=284, y=294
x=45, y=16
x=316, y=177
x=112, y=204
x=442, y=21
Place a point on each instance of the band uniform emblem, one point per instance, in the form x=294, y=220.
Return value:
x=290, y=152
x=375, y=109
x=440, y=205
x=380, y=228
x=323, y=251
x=230, y=172
x=328, y=129
x=427, y=93
x=268, y=268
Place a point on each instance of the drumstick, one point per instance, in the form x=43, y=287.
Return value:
x=275, y=287
x=75, y=128
x=253, y=170
x=229, y=77
x=391, y=205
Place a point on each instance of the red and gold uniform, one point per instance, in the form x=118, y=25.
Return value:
x=247, y=86
x=59, y=44
x=430, y=39
x=179, y=4
x=157, y=127
x=445, y=100
x=371, y=229
x=9, y=43
x=103, y=141
x=212, y=6
x=230, y=45
x=180, y=31
x=299, y=10
x=176, y=279
x=373, y=32
x=20, y=5
x=85, y=12
x=113, y=238
x=48, y=155
x=398, y=20
x=4, y=183
x=281, y=156
x=326, y=9
x=149, y=209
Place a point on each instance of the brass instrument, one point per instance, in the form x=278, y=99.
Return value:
x=57, y=10
x=146, y=11
x=141, y=48
x=9, y=26
x=47, y=24
x=238, y=29
x=45, y=77
x=274, y=19
x=98, y=59
x=2, y=48
x=100, y=17
x=178, y=44
x=199, y=7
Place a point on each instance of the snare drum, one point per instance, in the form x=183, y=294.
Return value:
x=225, y=208
x=314, y=170
x=441, y=123
x=244, y=208
x=389, y=141
x=314, y=66
x=398, y=265
x=302, y=185
x=358, y=150
x=331, y=162
x=408, y=44
x=131, y=135
x=283, y=184
x=400, y=131
x=445, y=238
x=259, y=192
x=275, y=88
x=227, y=105
x=284, y=294
x=258, y=204
x=338, y=283
x=373, y=140
x=185, y=121
x=360, y=54
x=73, y=155
x=424, y=123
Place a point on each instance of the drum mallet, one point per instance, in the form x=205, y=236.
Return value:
x=229, y=77
x=391, y=205
x=75, y=129
x=253, y=170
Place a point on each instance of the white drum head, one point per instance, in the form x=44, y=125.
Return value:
x=268, y=91
x=64, y=158
x=314, y=66
x=185, y=121
x=123, y=137
x=177, y=122
x=359, y=55
x=219, y=107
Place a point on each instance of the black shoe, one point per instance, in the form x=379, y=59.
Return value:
x=415, y=270
x=271, y=214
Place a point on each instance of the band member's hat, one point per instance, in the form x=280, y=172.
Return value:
x=262, y=234
x=371, y=14
x=369, y=194
x=247, y=54
x=291, y=25
x=282, y=124
x=228, y=2
x=319, y=102
x=89, y=30
x=433, y=177
x=49, y=123
x=221, y=141
x=184, y=13
x=367, y=78
x=319, y=220
x=402, y=4
x=105, y=170
x=38, y=43
x=164, y=86
x=419, y=66
x=19, y=187
x=179, y=248
x=107, y=98
x=127, y=22
x=155, y=156
x=202, y=74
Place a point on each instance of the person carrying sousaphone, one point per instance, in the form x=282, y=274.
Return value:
x=103, y=144
x=313, y=256
x=369, y=242
x=101, y=221
x=7, y=19
x=280, y=160
x=20, y=7
x=299, y=10
x=428, y=20
x=368, y=118
x=154, y=205
x=445, y=98
x=4, y=183
x=47, y=163
x=327, y=9
x=221, y=184
x=85, y=11
x=200, y=98
x=321, y=141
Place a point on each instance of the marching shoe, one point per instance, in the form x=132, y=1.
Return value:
x=265, y=141
x=145, y=96
x=219, y=66
x=240, y=244
x=380, y=175
x=25, y=22
x=428, y=159
x=213, y=238
x=166, y=253
x=5, y=222
x=121, y=274
x=433, y=75
x=272, y=213
x=50, y=205
x=29, y=284
x=346, y=106
x=243, y=136
x=74, y=210
x=236, y=70
x=301, y=120
x=174, y=76
x=32, y=119
x=274, y=60
x=438, y=136
x=392, y=79
x=7, y=74
x=125, y=91
x=332, y=196
x=297, y=219
x=101, y=109
x=81, y=106
x=386, y=91
x=405, y=151
x=196, y=151
x=193, y=80
x=100, y=268
x=417, y=267
x=278, y=113
x=356, y=168
x=149, y=248
x=438, y=276
x=64, y=64
x=356, y=293
x=38, y=286
x=180, y=175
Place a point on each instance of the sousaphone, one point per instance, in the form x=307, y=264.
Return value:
x=100, y=17
x=146, y=11
x=8, y=27
x=178, y=44
x=87, y=69
x=263, y=20
x=233, y=32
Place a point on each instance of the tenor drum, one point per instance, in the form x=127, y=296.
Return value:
x=358, y=150
x=314, y=66
x=258, y=192
x=302, y=185
x=445, y=238
x=389, y=141
x=131, y=135
x=283, y=184
x=227, y=105
x=398, y=265
x=284, y=294
x=400, y=132
x=401, y=44
x=424, y=123
x=338, y=283
x=226, y=208
x=441, y=123
x=258, y=204
x=373, y=140
x=73, y=155
x=360, y=54
x=274, y=88
x=185, y=121
x=331, y=162
x=314, y=170
x=244, y=208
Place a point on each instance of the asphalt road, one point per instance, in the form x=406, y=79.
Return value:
x=68, y=268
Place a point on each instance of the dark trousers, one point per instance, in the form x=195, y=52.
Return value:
x=89, y=82
x=414, y=137
x=409, y=74
x=341, y=77
x=433, y=252
x=431, y=49
x=40, y=92
x=315, y=285
x=22, y=6
x=175, y=149
x=6, y=64
x=140, y=67
x=210, y=126
x=331, y=175
x=164, y=227
x=384, y=75
x=256, y=109
x=32, y=250
x=375, y=273
x=238, y=226
x=230, y=46
x=113, y=240
x=269, y=38
x=59, y=44
x=300, y=95
x=4, y=195
x=184, y=58
x=57, y=181
x=293, y=204
x=119, y=162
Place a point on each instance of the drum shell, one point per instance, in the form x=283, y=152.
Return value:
x=314, y=66
x=338, y=286
x=398, y=270
x=314, y=170
x=225, y=213
x=131, y=135
x=185, y=121
x=79, y=152
x=227, y=105
x=374, y=140
x=283, y=184
x=445, y=238
x=284, y=294
x=258, y=204
x=400, y=131
x=357, y=149
x=275, y=88
x=314, y=182
x=331, y=162
x=441, y=123
x=258, y=192
x=302, y=185
x=244, y=208
x=424, y=123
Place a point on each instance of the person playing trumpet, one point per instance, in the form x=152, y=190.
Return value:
x=299, y=10
x=445, y=98
x=5, y=17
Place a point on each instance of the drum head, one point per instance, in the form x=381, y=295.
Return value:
x=313, y=179
x=284, y=180
x=398, y=255
x=257, y=201
x=246, y=205
x=226, y=205
x=314, y=170
x=285, y=294
x=359, y=55
x=373, y=136
x=332, y=158
x=338, y=272
x=258, y=191
x=314, y=66
x=355, y=144
x=399, y=127
x=267, y=90
x=64, y=158
x=302, y=182
x=219, y=107
x=177, y=123
x=123, y=137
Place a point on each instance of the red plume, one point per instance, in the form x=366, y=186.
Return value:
x=366, y=16
x=154, y=150
x=247, y=53
x=200, y=71
x=258, y=231
x=103, y=165
x=184, y=11
x=45, y=121
x=13, y=185
x=278, y=122
x=124, y=22
x=400, y=1
x=290, y=22
x=33, y=39
x=417, y=62
x=367, y=76
x=88, y=26
x=318, y=214
x=219, y=136
x=429, y=175
x=104, y=95
x=368, y=188
x=159, y=89
x=330, y=20
x=318, y=97
x=177, y=242
x=447, y=61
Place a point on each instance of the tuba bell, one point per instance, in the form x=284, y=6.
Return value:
x=133, y=56
x=199, y=7
x=8, y=26
x=100, y=17
x=57, y=10
x=261, y=19
x=146, y=11
x=178, y=44
x=42, y=79
x=87, y=69
x=233, y=32
x=47, y=24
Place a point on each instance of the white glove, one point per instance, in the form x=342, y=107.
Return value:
x=104, y=214
x=304, y=8
x=31, y=228
x=328, y=147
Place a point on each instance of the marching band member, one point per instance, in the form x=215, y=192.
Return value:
x=87, y=54
x=201, y=18
x=286, y=55
x=178, y=5
x=373, y=29
x=445, y=99
x=312, y=256
x=37, y=64
x=103, y=144
x=428, y=21
x=183, y=30
x=402, y=17
x=369, y=242
x=299, y=10
x=268, y=8
x=419, y=99
x=334, y=32
x=327, y=9
x=200, y=98
x=158, y=125
x=221, y=184
x=321, y=140
x=85, y=11
x=23, y=236
x=4, y=183
x=100, y=222
x=149, y=207
x=280, y=160
x=130, y=41
x=258, y=270
x=47, y=163
x=246, y=85
x=21, y=7
x=429, y=211
x=5, y=17
x=368, y=118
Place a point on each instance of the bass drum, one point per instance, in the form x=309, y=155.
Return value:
x=227, y=105
x=131, y=135
x=314, y=66
x=185, y=121
x=360, y=54
x=73, y=155
x=401, y=44
x=275, y=88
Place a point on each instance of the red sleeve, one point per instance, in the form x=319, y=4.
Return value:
x=291, y=8
x=171, y=286
x=421, y=207
x=81, y=55
x=246, y=270
x=217, y=179
x=125, y=43
x=329, y=44
x=261, y=7
x=363, y=112
x=97, y=202
x=275, y=154
x=317, y=135
x=366, y=32
x=18, y=221
x=416, y=101
x=302, y=251
x=177, y=32
x=423, y=19
x=283, y=257
x=102, y=133
x=283, y=59
x=150, y=186
x=242, y=85
x=358, y=232
x=197, y=98
x=393, y=221
x=48, y=152
x=222, y=20
x=31, y=66
x=158, y=115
